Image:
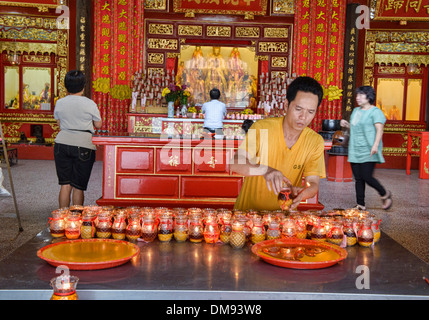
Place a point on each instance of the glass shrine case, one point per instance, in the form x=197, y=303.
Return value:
x=30, y=86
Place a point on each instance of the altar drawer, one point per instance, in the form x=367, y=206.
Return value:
x=133, y=159
x=211, y=187
x=173, y=161
x=211, y=161
x=147, y=186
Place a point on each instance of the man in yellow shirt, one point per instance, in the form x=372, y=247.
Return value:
x=279, y=152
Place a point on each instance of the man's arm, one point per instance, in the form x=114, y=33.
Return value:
x=312, y=183
x=379, y=127
x=97, y=124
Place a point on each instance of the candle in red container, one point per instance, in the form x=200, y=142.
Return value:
x=211, y=231
x=72, y=227
x=57, y=223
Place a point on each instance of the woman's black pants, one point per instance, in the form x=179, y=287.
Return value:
x=363, y=174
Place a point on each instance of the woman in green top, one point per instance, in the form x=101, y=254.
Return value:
x=366, y=146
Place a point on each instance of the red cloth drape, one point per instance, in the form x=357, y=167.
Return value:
x=319, y=50
x=118, y=54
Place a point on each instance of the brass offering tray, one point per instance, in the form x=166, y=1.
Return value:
x=299, y=254
x=89, y=254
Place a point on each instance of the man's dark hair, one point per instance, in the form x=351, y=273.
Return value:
x=246, y=125
x=74, y=81
x=305, y=84
x=368, y=91
x=214, y=94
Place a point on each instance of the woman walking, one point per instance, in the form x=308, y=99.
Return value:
x=366, y=146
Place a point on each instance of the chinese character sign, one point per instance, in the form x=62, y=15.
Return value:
x=411, y=10
x=256, y=7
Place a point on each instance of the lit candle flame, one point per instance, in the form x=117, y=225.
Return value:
x=66, y=286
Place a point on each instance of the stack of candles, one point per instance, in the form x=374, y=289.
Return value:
x=272, y=92
x=148, y=86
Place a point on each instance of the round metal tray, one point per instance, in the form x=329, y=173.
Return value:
x=299, y=254
x=89, y=254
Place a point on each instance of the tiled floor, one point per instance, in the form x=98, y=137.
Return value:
x=36, y=188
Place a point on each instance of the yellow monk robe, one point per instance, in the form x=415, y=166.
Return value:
x=266, y=145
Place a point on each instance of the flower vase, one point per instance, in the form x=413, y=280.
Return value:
x=171, y=109
x=184, y=111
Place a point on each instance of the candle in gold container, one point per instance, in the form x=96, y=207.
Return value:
x=318, y=232
x=165, y=228
x=349, y=232
x=226, y=228
x=365, y=234
x=87, y=229
x=258, y=230
x=286, y=196
x=64, y=287
x=301, y=226
x=375, y=227
x=134, y=229
x=181, y=228
x=237, y=238
x=285, y=199
x=336, y=234
x=104, y=225
x=119, y=225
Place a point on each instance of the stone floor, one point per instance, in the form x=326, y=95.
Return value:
x=36, y=189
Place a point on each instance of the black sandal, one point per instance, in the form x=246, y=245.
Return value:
x=387, y=200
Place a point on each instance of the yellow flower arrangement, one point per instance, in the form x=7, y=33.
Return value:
x=247, y=111
x=171, y=93
x=174, y=92
x=184, y=95
x=192, y=110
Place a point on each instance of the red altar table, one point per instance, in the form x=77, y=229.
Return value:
x=157, y=170
x=423, y=152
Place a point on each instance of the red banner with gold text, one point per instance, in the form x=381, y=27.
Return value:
x=318, y=47
x=118, y=54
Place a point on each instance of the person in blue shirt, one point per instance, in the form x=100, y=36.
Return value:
x=214, y=113
x=365, y=146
